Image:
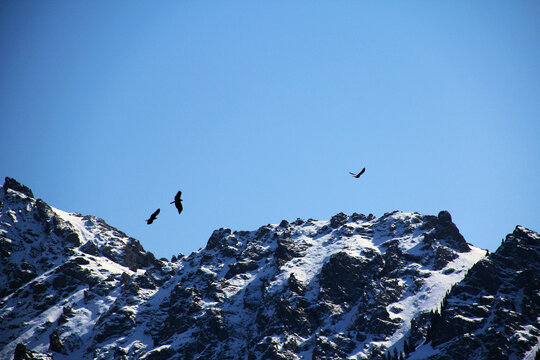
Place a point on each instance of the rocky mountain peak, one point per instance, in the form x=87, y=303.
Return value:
x=13, y=184
x=50, y=260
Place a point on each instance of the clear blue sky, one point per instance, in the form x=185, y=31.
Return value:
x=258, y=110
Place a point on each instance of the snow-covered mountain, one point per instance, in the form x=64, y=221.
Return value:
x=358, y=287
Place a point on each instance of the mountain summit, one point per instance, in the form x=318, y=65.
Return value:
x=352, y=287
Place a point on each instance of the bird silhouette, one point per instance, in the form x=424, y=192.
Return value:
x=152, y=217
x=178, y=202
x=358, y=175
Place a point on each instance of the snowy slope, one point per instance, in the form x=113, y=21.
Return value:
x=494, y=313
x=52, y=263
x=356, y=286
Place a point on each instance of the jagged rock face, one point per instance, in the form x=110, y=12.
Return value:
x=323, y=289
x=13, y=184
x=352, y=287
x=496, y=306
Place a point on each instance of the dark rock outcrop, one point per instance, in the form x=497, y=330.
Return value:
x=344, y=277
x=135, y=257
x=13, y=184
x=56, y=344
x=22, y=353
x=447, y=231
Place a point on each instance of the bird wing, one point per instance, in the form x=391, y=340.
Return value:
x=361, y=172
x=353, y=174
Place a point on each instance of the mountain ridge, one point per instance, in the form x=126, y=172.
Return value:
x=351, y=287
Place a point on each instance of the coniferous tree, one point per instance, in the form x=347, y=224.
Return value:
x=444, y=302
x=429, y=332
x=435, y=318
x=405, y=346
x=408, y=347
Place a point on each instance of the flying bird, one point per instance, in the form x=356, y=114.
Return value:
x=152, y=217
x=178, y=202
x=358, y=175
